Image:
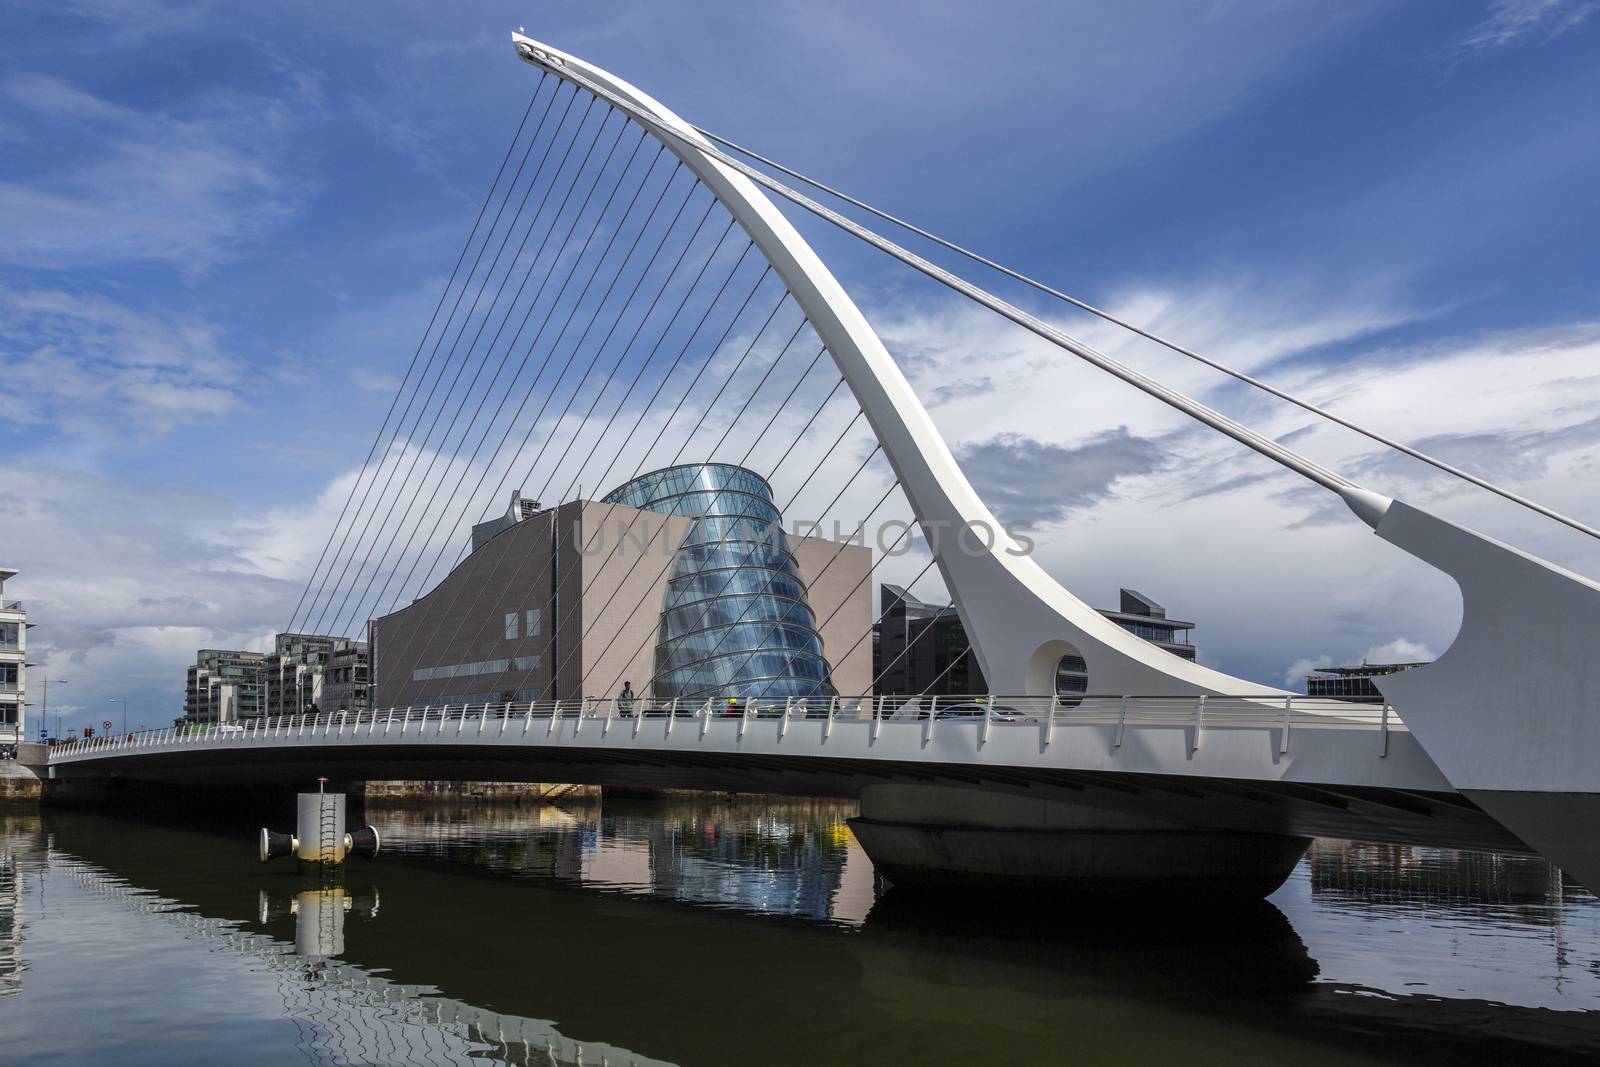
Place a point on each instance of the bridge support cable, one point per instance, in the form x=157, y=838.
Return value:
x=331, y=584
x=882, y=673
x=433, y=319
x=1165, y=342
x=476, y=492
x=391, y=453
x=1260, y=443
x=751, y=654
x=733, y=422
x=705, y=265
x=773, y=624
x=583, y=250
x=516, y=375
x=688, y=293
x=717, y=495
x=422, y=492
x=827, y=454
x=417, y=449
x=622, y=535
x=710, y=359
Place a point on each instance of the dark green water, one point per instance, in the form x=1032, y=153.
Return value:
x=706, y=932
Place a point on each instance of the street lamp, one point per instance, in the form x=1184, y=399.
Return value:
x=44, y=713
x=124, y=703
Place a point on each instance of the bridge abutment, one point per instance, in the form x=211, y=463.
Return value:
x=955, y=837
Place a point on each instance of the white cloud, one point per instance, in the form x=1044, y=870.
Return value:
x=130, y=186
x=1272, y=569
x=1510, y=21
x=98, y=368
x=1295, y=676
x=1400, y=650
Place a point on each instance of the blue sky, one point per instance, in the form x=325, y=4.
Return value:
x=222, y=229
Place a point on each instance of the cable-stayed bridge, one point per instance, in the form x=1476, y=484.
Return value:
x=646, y=309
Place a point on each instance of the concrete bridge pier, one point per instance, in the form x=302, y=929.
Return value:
x=956, y=837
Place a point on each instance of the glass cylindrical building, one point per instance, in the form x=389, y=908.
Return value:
x=735, y=621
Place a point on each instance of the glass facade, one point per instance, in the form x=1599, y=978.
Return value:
x=735, y=621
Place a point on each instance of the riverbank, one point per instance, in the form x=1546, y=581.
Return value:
x=21, y=779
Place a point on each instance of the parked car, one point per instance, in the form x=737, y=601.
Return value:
x=975, y=709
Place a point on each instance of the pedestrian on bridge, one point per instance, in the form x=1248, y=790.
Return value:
x=625, y=701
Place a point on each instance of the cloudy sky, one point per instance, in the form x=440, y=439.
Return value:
x=223, y=228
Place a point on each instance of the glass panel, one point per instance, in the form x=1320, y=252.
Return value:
x=734, y=619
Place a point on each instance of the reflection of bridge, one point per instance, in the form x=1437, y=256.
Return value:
x=1209, y=781
x=344, y=1013
x=976, y=983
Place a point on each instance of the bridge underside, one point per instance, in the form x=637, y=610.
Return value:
x=1206, y=804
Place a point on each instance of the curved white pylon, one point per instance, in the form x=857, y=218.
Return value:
x=1510, y=713
x=1019, y=619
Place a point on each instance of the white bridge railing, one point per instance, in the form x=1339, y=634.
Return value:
x=514, y=720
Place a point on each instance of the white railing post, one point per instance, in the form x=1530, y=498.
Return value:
x=744, y=718
x=555, y=710
x=461, y=720
x=1122, y=721
x=788, y=709
x=705, y=718
x=833, y=706
x=1199, y=716
x=877, y=716
x=1050, y=719
x=483, y=719
x=933, y=713
x=505, y=718
x=672, y=715
x=1288, y=709
x=988, y=717
x=1385, y=753
x=528, y=721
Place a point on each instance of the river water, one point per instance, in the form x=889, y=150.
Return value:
x=708, y=931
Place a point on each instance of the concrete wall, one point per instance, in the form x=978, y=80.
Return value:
x=20, y=777
x=462, y=620
x=836, y=585
x=627, y=581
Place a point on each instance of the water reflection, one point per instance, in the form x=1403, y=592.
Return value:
x=773, y=857
x=700, y=930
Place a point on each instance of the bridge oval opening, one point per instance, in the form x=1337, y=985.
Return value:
x=1057, y=668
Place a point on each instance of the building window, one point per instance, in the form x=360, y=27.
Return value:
x=9, y=632
x=533, y=615
x=511, y=626
x=466, y=670
x=8, y=677
x=8, y=715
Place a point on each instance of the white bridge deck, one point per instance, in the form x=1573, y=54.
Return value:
x=1293, y=739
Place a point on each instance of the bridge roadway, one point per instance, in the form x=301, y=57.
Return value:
x=1298, y=767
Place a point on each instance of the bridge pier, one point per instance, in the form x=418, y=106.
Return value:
x=958, y=837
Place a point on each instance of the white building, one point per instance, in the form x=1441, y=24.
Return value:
x=13, y=645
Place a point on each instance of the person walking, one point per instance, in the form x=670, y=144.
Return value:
x=625, y=701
